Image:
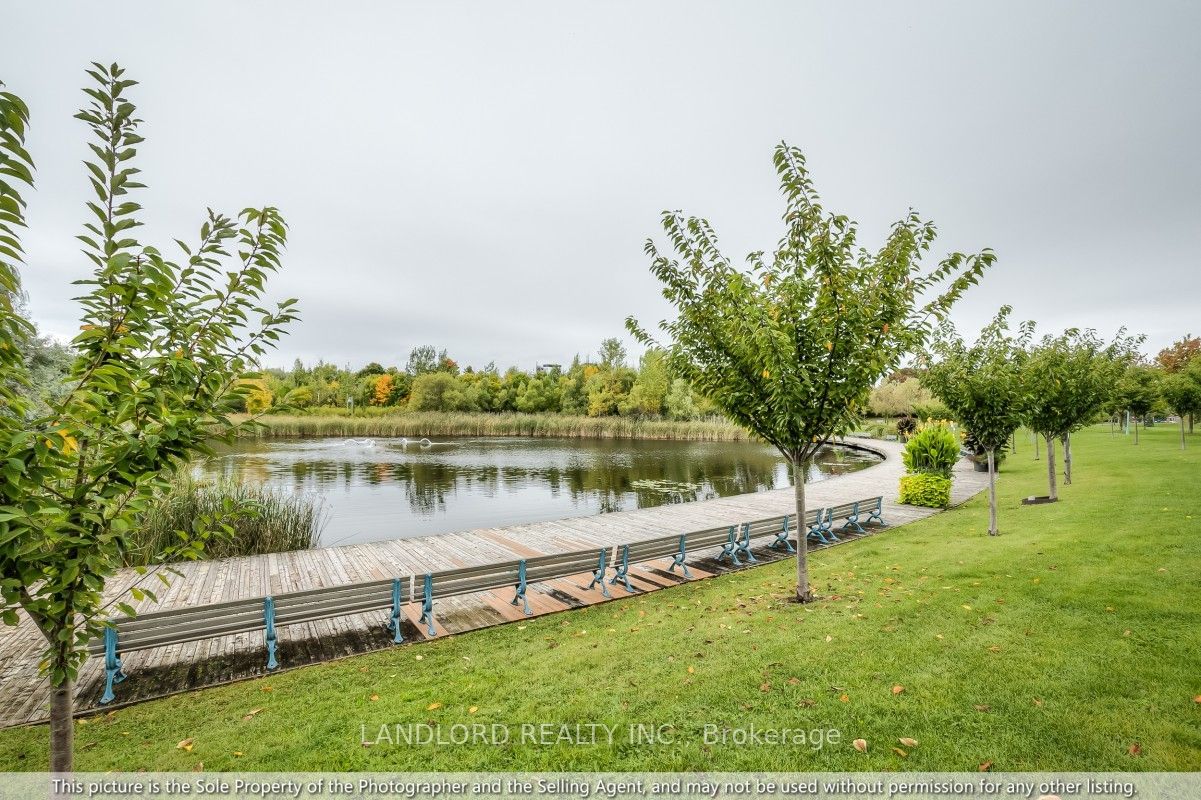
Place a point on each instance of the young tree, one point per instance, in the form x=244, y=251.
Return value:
x=791, y=347
x=612, y=353
x=1068, y=380
x=1178, y=357
x=1182, y=393
x=1139, y=389
x=983, y=388
x=160, y=354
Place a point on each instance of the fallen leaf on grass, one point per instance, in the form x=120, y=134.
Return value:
x=418, y=657
x=898, y=689
x=691, y=670
x=373, y=698
x=982, y=708
x=900, y=752
x=1135, y=749
x=433, y=707
x=265, y=689
x=1038, y=702
x=186, y=744
x=829, y=638
x=905, y=740
x=252, y=712
x=473, y=709
x=765, y=687
x=238, y=753
x=808, y=702
x=793, y=681
x=1197, y=699
x=986, y=766
x=860, y=745
x=844, y=699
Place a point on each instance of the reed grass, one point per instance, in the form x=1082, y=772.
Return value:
x=431, y=423
x=263, y=520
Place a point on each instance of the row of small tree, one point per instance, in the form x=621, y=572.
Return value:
x=1005, y=380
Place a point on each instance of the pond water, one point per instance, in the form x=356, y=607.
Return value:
x=377, y=489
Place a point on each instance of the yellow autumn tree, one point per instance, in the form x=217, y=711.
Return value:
x=383, y=390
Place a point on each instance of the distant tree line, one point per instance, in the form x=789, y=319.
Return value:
x=433, y=381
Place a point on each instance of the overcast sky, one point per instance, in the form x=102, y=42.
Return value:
x=482, y=176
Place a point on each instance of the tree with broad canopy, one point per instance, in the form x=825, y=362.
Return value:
x=791, y=346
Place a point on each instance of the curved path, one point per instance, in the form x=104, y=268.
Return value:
x=24, y=694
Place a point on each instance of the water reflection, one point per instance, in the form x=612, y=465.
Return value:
x=391, y=488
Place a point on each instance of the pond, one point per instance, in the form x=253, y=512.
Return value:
x=378, y=489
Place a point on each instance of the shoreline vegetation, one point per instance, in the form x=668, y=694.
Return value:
x=262, y=520
x=413, y=424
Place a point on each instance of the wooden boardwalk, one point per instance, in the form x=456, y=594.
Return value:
x=24, y=693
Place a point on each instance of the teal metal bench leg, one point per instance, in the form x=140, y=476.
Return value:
x=269, y=621
x=521, y=586
x=730, y=548
x=394, y=624
x=112, y=665
x=678, y=560
x=599, y=576
x=782, y=538
x=818, y=528
x=427, y=603
x=744, y=544
x=853, y=519
x=621, y=570
x=878, y=514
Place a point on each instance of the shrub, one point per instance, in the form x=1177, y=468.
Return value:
x=933, y=449
x=926, y=489
x=980, y=453
x=242, y=519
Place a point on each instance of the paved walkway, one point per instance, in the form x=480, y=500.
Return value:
x=24, y=694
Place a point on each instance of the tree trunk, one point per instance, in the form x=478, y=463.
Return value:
x=992, y=493
x=1181, y=431
x=803, y=593
x=1036, y=447
x=1136, y=430
x=62, y=726
x=1053, y=493
x=1190, y=422
x=1067, y=459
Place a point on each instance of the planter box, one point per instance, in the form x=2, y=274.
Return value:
x=1036, y=500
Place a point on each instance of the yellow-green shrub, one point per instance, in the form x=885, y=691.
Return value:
x=926, y=489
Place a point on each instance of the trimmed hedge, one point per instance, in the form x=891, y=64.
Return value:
x=926, y=489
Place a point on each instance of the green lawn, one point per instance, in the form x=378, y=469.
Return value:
x=1058, y=646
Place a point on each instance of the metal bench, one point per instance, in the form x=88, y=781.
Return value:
x=194, y=623
x=649, y=550
x=518, y=574
x=851, y=512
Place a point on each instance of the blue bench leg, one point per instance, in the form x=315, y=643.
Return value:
x=112, y=665
x=599, y=576
x=853, y=522
x=622, y=575
x=394, y=624
x=521, y=587
x=878, y=516
x=678, y=561
x=744, y=546
x=782, y=541
x=427, y=605
x=269, y=622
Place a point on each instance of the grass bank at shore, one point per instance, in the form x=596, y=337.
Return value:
x=413, y=424
x=1069, y=642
